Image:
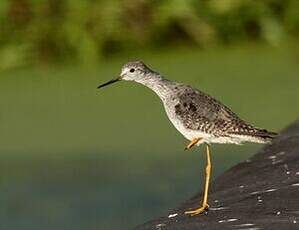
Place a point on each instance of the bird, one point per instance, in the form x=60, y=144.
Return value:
x=199, y=117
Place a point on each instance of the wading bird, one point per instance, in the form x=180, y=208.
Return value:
x=199, y=117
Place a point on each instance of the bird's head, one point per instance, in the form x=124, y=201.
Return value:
x=132, y=71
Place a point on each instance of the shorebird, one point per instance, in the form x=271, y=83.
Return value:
x=199, y=117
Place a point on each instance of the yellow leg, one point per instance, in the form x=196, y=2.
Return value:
x=192, y=143
x=205, y=205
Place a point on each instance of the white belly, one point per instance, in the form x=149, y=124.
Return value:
x=209, y=138
x=187, y=133
x=206, y=138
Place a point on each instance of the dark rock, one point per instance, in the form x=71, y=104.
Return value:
x=261, y=193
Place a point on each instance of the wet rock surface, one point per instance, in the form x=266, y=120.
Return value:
x=261, y=193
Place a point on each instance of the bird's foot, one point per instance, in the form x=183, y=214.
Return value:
x=192, y=143
x=198, y=211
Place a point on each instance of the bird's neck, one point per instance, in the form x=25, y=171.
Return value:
x=161, y=86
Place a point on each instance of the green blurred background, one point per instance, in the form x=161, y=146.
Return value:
x=73, y=157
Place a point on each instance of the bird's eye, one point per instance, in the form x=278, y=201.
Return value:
x=132, y=70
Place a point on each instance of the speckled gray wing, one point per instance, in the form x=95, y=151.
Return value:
x=199, y=111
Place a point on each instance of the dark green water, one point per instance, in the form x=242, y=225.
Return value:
x=73, y=157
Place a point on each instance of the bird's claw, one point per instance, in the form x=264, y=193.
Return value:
x=198, y=211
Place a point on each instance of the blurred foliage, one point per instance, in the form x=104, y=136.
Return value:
x=34, y=31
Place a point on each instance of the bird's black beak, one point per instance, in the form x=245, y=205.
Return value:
x=110, y=82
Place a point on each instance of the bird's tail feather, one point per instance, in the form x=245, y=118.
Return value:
x=260, y=134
